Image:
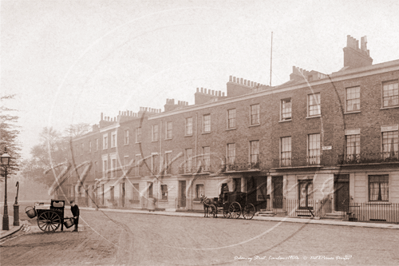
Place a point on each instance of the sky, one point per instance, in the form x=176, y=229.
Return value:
x=69, y=61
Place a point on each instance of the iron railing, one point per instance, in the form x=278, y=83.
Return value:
x=365, y=212
x=376, y=157
x=313, y=160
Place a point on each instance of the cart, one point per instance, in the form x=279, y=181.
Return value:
x=49, y=218
x=232, y=205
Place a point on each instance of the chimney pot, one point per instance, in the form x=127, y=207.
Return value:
x=230, y=78
x=197, y=89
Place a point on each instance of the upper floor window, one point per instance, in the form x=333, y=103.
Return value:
x=168, y=166
x=286, y=151
x=231, y=153
x=97, y=145
x=189, y=126
x=390, y=94
x=206, y=123
x=255, y=114
x=313, y=149
x=126, y=160
x=254, y=152
x=89, y=146
x=139, y=162
x=105, y=141
x=206, y=155
x=169, y=130
x=378, y=187
x=390, y=145
x=155, y=133
x=353, y=99
x=188, y=160
x=231, y=118
x=138, y=135
x=286, y=109
x=154, y=164
x=314, y=105
x=113, y=167
x=105, y=167
x=352, y=147
x=126, y=137
x=113, y=139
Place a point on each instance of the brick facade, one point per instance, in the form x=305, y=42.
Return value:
x=316, y=166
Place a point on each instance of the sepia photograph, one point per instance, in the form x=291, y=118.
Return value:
x=199, y=132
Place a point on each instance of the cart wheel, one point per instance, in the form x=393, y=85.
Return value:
x=249, y=211
x=226, y=214
x=49, y=221
x=235, y=210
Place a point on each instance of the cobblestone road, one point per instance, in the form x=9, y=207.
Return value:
x=139, y=239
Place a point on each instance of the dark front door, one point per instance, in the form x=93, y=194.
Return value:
x=123, y=193
x=277, y=186
x=182, y=194
x=341, y=193
x=256, y=191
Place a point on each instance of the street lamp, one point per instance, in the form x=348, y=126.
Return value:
x=5, y=162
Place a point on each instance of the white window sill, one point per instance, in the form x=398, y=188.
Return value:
x=228, y=129
x=188, y=135
x=256, y=125
x=283, y=121
x=389, y=107
x=316, y=116
x=204, y=133
x=352, y=112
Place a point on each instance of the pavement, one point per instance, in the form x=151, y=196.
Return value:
x=14, y=229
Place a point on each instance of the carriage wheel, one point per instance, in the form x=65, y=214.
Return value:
x=249, y=211
x=226, y=214
x=235, y=210
x=49, y=221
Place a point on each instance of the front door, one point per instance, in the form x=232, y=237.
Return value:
x=277, y=186
x=123, y=193
x=182, y=194
x=341, y=192
x=256, y=191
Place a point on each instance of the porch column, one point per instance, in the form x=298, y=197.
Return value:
x=269, y=192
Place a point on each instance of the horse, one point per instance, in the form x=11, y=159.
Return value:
x=208, y=203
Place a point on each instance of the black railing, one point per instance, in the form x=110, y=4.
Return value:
x=242, y=166
x=364, y=212
x=285, y=162
x=377, y=157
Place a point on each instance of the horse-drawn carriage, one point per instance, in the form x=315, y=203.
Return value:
x=231, y=204
x=49, y=218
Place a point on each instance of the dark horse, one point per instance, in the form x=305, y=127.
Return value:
x=208, y=203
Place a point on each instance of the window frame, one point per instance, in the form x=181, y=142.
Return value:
x=385, y=83
x=347, y=100
x=206, y=158
x=164, y=192
x=167, y=161
x=251, y=152
x=379, y=196
x=126, y=137
x=310, y=151
x=253, y=115
x=188, y=166
x=168, y=131
x=136, y=193
x=282, y=108
x=284, y=152
x=318, y=103
x=188, y=128
x=138, y=134
x=391, y=140
x=105, y=141
x=307, y=182
x=198, y=190
x=206, y=123
x=114, y=139
x=230, y=158
x=155, y=132
x=232, y=118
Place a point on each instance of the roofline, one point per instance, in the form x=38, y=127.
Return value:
x=334, y=77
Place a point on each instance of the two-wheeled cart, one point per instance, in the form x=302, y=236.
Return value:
x=49, y=218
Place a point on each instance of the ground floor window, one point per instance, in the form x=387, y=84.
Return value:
x=164, y=190
x=199, y=191
x=305, y=194
x=378, y=187
x=112, y=195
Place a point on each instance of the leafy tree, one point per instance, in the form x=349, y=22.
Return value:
x=52, y=150
x=9, y=131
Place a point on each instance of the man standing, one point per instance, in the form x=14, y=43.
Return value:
x=75, y=213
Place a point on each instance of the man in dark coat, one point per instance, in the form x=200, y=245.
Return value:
x=75, y=213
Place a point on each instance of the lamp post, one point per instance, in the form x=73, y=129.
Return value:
x=5, y=161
